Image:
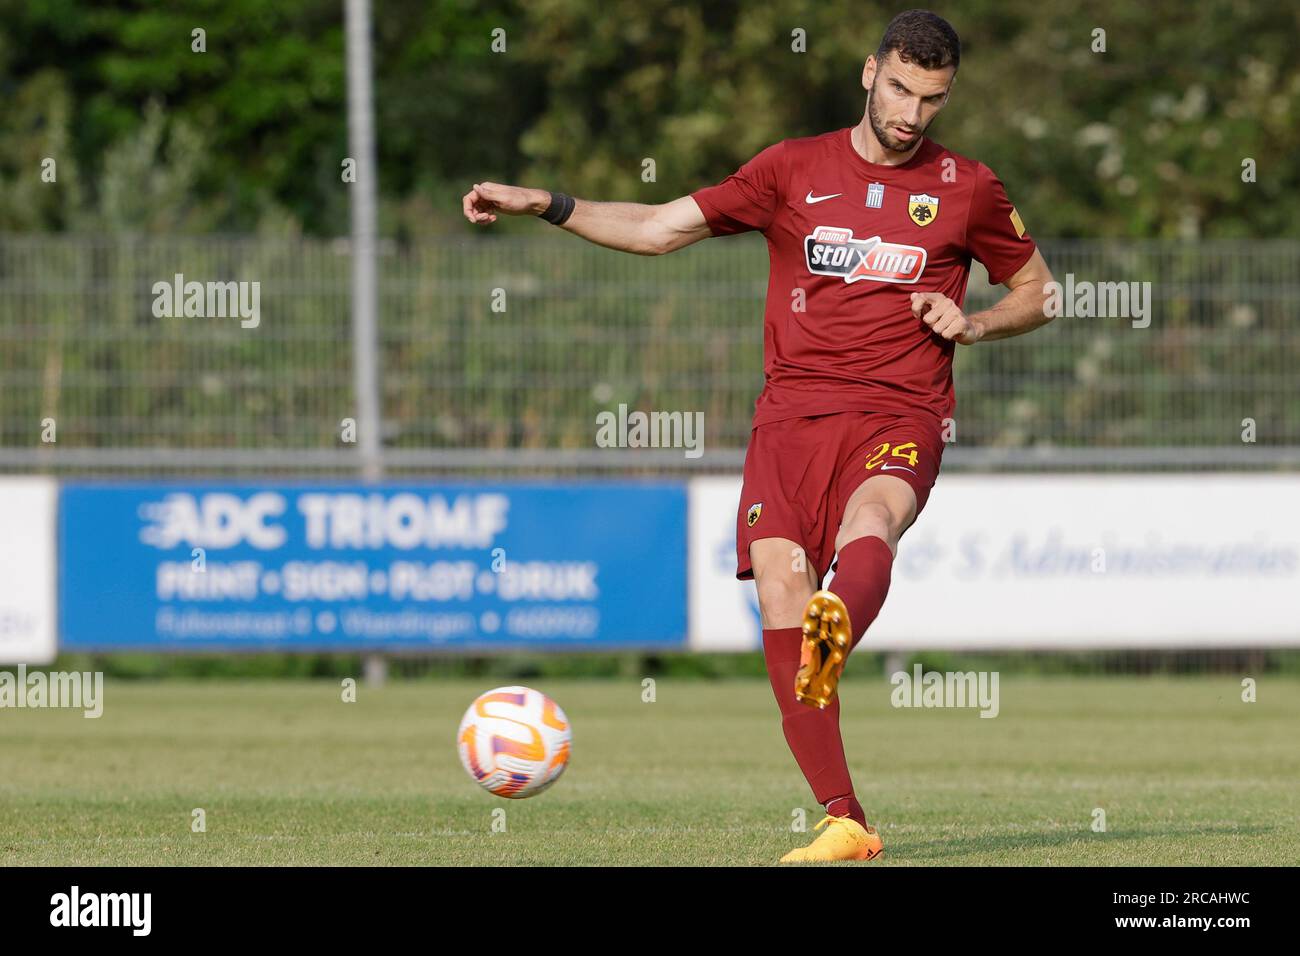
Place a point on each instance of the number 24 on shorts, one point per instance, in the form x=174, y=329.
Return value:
x=906, y=451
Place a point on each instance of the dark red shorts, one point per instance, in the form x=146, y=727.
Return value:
x=800, y=473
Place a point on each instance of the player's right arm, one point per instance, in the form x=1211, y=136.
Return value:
x=630, y=227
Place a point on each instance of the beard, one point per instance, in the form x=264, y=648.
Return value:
x=887, y=139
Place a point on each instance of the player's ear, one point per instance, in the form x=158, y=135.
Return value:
x=869, y=72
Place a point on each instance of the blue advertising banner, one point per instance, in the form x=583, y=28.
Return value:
x=398, y=567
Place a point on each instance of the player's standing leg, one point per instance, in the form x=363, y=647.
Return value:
x=812, y=734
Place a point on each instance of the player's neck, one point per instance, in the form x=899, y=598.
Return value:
x=866, y=145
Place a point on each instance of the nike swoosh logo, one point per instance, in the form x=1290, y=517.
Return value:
x=812, y=200
x=888, y=467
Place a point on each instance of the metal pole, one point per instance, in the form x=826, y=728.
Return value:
x=365, y=298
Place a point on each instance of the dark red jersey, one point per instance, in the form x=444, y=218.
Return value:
x=849, y=241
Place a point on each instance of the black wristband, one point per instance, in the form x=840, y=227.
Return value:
x=560, y=209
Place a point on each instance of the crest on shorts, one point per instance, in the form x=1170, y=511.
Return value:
x=751, y=518
x=923, y=208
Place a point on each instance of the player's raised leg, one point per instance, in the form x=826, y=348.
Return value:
x=834, y=620
x=784, y=586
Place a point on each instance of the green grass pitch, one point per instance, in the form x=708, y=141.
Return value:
x=287, y=773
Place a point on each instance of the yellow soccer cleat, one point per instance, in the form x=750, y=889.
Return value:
x=844, y=839
x=826, y=643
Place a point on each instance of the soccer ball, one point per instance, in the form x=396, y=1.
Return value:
x=514, y=741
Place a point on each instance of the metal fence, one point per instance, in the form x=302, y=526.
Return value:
x=498, y=354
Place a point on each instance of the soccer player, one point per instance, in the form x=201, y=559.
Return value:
x=871, y=231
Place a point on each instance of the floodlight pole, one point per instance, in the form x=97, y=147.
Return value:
x=365, y=298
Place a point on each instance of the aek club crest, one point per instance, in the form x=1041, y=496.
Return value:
x=922, y=208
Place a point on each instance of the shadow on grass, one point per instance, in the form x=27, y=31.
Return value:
x=900, y=850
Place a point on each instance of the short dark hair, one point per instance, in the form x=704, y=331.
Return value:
x=923, y=38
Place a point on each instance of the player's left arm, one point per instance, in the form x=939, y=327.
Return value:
x=996, y=236
x=1019, y=311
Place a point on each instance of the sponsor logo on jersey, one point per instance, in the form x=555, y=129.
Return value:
x=832, y=251
x=875, y=195
x=754, y=511
x=812, y=200
x=923, y=209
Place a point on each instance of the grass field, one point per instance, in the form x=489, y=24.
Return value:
x=289, y=774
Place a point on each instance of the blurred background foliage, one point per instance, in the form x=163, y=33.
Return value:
x=1144, y=140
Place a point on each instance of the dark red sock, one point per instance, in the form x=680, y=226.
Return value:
x=813, y=735
x=862, y=580
x=846, y=807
